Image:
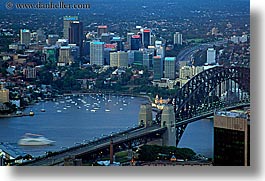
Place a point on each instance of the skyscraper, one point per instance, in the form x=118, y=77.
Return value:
x=41, y=37
x=135, y=42
x=101, y=30
x=170, y=67
x=148, y=60
x=25, y=37
x=65, y=56
x=178, y=38
x=231, y=139
x=146, y=37
x=158, y=67
x=66, y=25
x=97, y=53
x=211, y=55
x=119, y=43
x=76, y=34
x=119, y=59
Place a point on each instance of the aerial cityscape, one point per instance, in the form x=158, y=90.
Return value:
x=125, y=83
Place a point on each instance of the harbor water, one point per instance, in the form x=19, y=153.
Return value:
x=75, y=119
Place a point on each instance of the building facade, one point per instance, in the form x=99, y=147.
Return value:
x=158, y=67
x=231, y=139
x=97, y=53
x=66, y=25
x=170, y=68
x=178, y=38
x=211, y=56
x=25, y=37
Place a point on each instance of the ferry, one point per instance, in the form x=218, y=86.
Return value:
x=30, y=139
x=31, y=113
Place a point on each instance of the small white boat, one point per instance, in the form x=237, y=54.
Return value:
x=59, y=111
x=30, y=139
x=107, y=110
x=92, y=110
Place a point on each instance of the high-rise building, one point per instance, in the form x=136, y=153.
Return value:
x=52, y=39
x=148, y=60
x=146, y=37
x=170, y=68
x=4, y=94
x=138, y=58
x=76, y=34
x=119, y=59
x=66, y=25
x=178, y=38
x=211, y=56
x=119, y=43
x=231, y=139
x=135, y=42
x=101, y=30
x=129, y=39
x=105, y=37
x=65, y=57
x=25, y=37
x=41, y=37
x=158, y=67
x=97, y=53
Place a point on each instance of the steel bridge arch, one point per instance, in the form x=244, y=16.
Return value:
x=191, y=98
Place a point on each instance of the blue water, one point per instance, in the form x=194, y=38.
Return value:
x=76, y=123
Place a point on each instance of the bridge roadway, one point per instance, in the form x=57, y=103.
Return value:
x=209, y=114
x=58, y=157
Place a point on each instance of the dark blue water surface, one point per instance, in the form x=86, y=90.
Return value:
x=70, y=121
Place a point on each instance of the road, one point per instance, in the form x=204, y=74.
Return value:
x=187, y=54
x=93, y=146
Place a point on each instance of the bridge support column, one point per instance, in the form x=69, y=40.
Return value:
x=168, y=121
x=145, y=115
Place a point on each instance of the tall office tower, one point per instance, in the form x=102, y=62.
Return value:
x=138, y=58
x=65, y=56
x=146, y=37
x=160, y=49
x=108, y=48
x=129, y=39
x=105, y=37
x=66, y=25
x=76, y=34
x=158, y=67
x=97, y=53
x=4, y=93
x=119, y=59
x=25, y=37
x=231, y=139
x=101, y=30
x=41, y=37
x=135, y=42
x=86, y=48
x=148, y=60
x=170, y=67
x=119, y=43
x=178, y=38
x=211, y=55
x=52, y=39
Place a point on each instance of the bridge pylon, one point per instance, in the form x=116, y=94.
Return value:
x=168, y=121
x=145, y=115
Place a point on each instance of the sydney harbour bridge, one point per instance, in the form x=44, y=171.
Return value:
x=218, y=88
